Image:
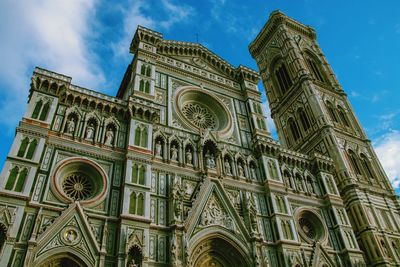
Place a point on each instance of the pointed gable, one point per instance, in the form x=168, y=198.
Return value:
x=70, y=233
x=213, y=208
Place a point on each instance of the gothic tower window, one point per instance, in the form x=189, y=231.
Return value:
x=354, y=162
x=283, y=78
x=304, y=119
x=141, y=136
x=143, y=69
x=367, y=167
x=31, y=149
x=331, y=111
x=136, y=204
x=23, y=147
x=342, y=116
x=40, y=111
x=138, y=174
x=141, y=86
x=147, y=87
x=294, y=129
x=315, y=69
x=16, y=179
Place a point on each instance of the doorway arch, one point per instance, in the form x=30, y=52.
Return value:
x=218, y=251
x=63, y=260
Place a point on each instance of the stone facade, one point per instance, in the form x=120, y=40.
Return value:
x=179, y=169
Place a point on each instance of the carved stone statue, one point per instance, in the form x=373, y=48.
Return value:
x=227, y=167
x=158, y=149
x=174, y=153
x=210, y=161
x=132, y=263
x=240, y=170
x=71, y=126
x=252, y=211
x=189, y=156
x=253, y=172
x=90, y=131
x=109, y=137
x=177, y=197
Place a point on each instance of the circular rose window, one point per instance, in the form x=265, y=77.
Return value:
x=311, y=226
x=201, y=110
x=79, y=179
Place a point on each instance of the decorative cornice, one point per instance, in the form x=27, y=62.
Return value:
x=276, y=19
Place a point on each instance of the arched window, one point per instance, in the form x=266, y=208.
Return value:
x=315, y=69
x=37, y=109
x=331, y=111
x=367, y=167
x=148, y=71
x=138, y=133
x=354, y=162
x=140, y=136
x=143, y=69
x=140, y=205
x=31, y=149
x=45, y=110
x=143, y=142
x=342, y=116
x=23, y=146
x=132, y=203
x=12, y=178
x=147, y=87
x=16, y=179
x=272, y=170
x=135, y=173
x=283, y=78
x=304, y=119
x=142, y=175
x=294, y=129
x=141, y=86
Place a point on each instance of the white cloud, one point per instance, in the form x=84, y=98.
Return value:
x=47, y=33
x=388, y=150
x=133, y=13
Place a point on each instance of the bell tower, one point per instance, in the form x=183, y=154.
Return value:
x=312, y=115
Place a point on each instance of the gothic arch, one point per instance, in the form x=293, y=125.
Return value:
x=215, y=243
x=74, y=256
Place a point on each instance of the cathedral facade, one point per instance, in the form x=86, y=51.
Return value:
x=180, y=169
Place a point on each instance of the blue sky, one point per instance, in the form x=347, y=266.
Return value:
x=89, y=41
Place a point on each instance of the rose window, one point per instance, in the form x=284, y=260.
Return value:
x=310, y=225
x=199, y=109
x=307, y=227
x=78, y=186
x=79, y=179
x=200, y=116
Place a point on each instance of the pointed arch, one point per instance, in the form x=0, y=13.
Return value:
x=37, y=109
x=132, y=203
x=23, y=147
x=343, y=117
x=31, y=149
x=12, y=177
x=45, y=111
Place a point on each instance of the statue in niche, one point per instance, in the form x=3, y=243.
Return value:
x=299, y=184
x=174, y=153
x=71, y=126
x=210, y=161
x=132, y=263
x=189, y=156
x=90, y=131
x=240, y=170
x=109, y=137
x=253, y=172
x=158, y=148
x=227, y=167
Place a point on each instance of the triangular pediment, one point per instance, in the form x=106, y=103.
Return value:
x=213, y=208
x=70, y=232
x=320, y=257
